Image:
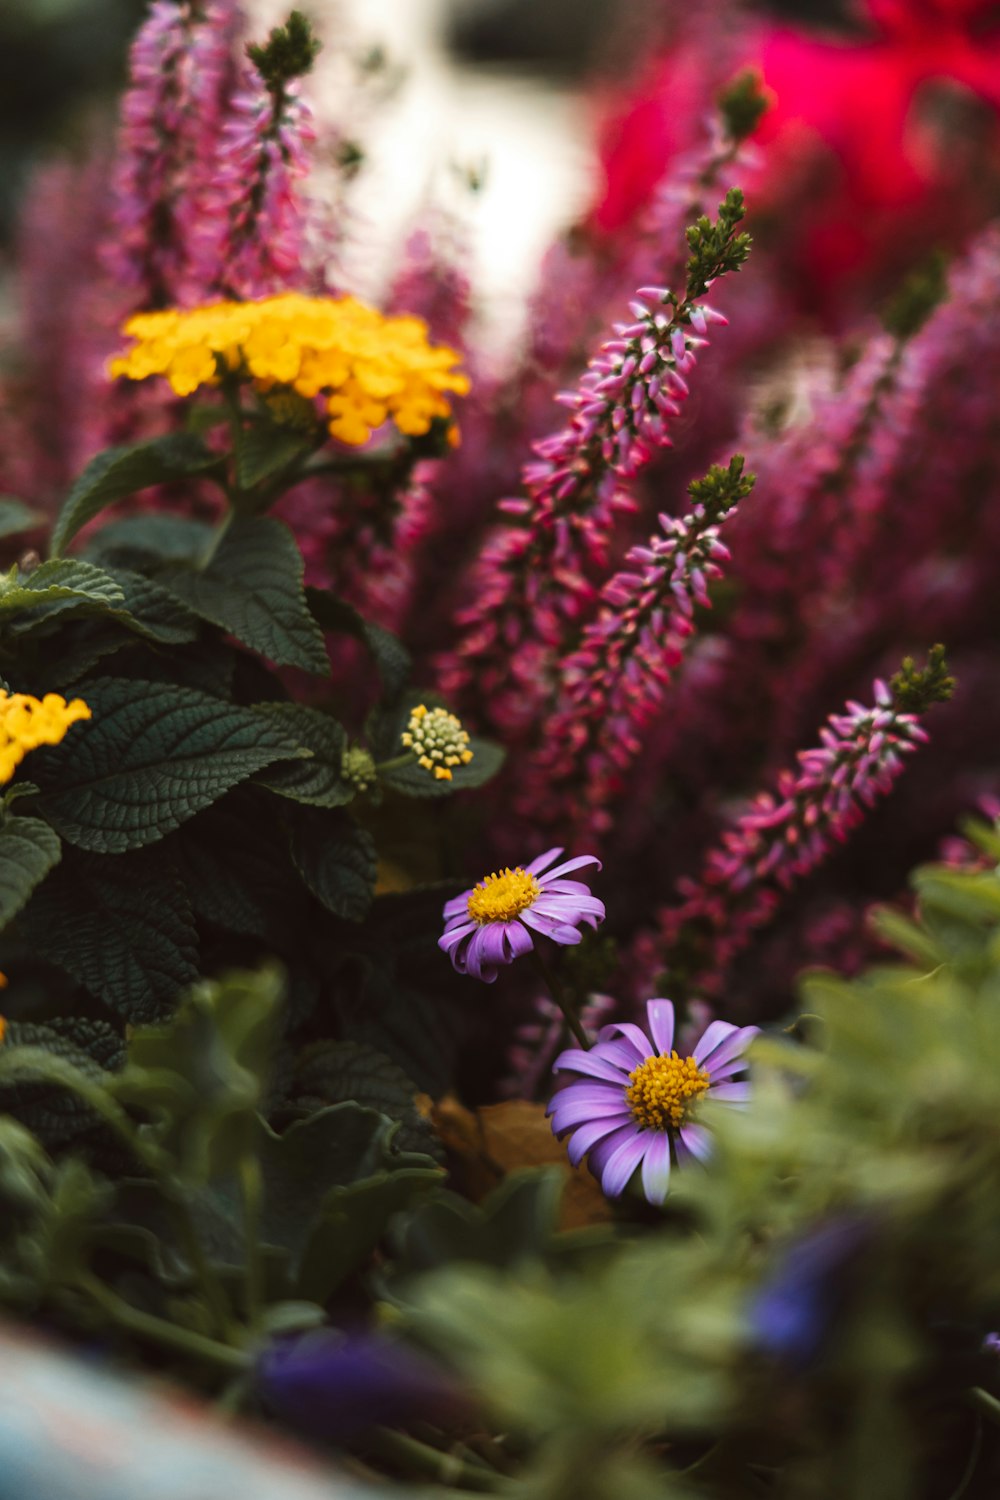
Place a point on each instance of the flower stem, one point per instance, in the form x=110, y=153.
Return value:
x=563, y=1001
x=421, y=1459
x=251, y=1187
x=159, y=1331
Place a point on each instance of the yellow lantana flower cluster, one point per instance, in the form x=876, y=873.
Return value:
x=370, y=367
x=26, y=723
x=438, y=740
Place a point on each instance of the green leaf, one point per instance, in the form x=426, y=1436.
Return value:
x=317, y=781
x=124, y=471
x=55, y=1114
x=28, y=850
x=151, y=539
x=121, y=926
x=265, y=448
x=234, y=862
x=65, y=585
x=517, y=1221
x=203, y=1075
x=332, y=1072
x=336, y=859
x=253, y=589
x=390, y=656
x=152, y=756
x=330, y=1185
x=153, y=612
x=15, y=516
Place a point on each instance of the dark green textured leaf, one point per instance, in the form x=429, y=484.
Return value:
x=517, y=1221
x=332, y=1072
x=316, y=781
x=336, y=859
x=265, y=448
x=122, y=927
x=253, y=589
x=123, y=471
x=155, y=613
x=151, y=757
x=390, y=656
x=15, y=516
x=63, y=586
x=234, y=862
x=151, y=539
x=56, y=1114
x=28, y=850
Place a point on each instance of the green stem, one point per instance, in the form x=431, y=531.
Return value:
x=563, y=1001
x=211, y=1286
x=430, y=1463
x=987, y=1404
x=397, y=763
x=159, y=1331
x=251, y=1188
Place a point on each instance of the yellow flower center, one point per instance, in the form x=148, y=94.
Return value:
x=660, y=1090
x=500, y=897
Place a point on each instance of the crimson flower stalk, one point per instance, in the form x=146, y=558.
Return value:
x=785, y=835
x=613, y=683
x=534, y=587
x=179, y=75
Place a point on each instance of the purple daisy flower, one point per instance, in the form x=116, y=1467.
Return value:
x=493, y=923
x=637, y=1103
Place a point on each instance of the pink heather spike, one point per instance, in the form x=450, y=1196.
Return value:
x=772, y=846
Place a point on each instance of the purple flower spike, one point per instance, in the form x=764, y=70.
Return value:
x=495, y=921
x=636, y=1103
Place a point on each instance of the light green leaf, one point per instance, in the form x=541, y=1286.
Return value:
x=15, y=516
x=124, y=471
x=152, y=756
x=253, y=589
x=28, y=850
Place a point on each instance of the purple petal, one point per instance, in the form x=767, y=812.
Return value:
x=563, y=905
x=696, y=1140
x=571, y=864
x=568, y=1113
x=594, y=1063
x=457, y=935
x=459, y=904
x=559, y=932
x=566, y=887
x=712, y=1038
x=656, y=1168
x=634, y=1038
x=538, y=864
x=734, y=1093
x=660, y=1018
x=588, y=1135
x=729, y=1048
x=601, y=1153
x=623, y=1161
x=519, y=938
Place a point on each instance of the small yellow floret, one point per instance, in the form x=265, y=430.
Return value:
x=661, y=1089
x=371, y=368
x=438, y=740
x=501, y=897
x=26, y=723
